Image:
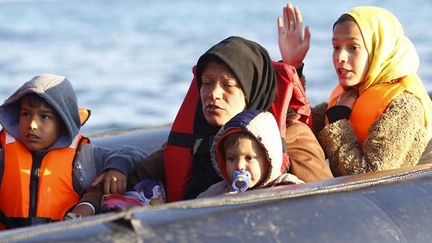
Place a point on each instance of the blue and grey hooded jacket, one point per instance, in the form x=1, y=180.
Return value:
x=90, y=160
x=263, y=127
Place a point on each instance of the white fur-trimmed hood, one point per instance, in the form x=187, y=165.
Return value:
x=261, y=125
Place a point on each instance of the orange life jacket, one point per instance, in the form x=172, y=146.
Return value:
x=370, y=105
x=178, y=155
x=55, y=194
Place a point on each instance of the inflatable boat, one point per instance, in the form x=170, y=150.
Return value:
x=388, y=206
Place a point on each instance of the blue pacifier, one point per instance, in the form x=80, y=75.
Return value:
x=241, y=181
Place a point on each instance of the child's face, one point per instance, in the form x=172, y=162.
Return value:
x=39, y=127
x=247, y=155
x=221, y=94
x=350, y=57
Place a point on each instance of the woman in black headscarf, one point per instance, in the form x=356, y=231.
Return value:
x=234, y=75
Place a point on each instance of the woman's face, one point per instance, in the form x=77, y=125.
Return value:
x=221, y=94
x=350, y=57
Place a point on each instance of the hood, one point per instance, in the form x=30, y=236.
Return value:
x=56, y=91
x=261, y=125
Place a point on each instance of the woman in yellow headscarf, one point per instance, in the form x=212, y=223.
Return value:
x=379, y=115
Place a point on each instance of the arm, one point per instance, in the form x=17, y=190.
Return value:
x=318, y=117
x=124, y=159
x=341, y=110
x=395, y=140
x=306, y=155
x=112, y=166
x=152, y=167
x=92, y=196
x=115, y=164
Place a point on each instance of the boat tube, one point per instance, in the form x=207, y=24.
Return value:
x=387, y=206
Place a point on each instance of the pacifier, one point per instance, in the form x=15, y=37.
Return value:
x=241, y=181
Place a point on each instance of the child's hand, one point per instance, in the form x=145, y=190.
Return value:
x=114, y=181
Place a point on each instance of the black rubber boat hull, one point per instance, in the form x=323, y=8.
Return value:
x=390, y=206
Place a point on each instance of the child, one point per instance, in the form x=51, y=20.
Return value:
x=45, y=164
x=247, y=153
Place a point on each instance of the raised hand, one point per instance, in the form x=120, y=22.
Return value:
x=293, y=45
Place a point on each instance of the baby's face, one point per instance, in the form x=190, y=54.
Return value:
x=247, y=155
x=39, y=126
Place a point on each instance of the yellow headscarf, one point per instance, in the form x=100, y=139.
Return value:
x=391, y=54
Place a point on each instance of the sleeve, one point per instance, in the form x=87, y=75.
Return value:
x=148, y=167
x=338, y=112
x=306, y=156
x=299, y=71
x=395, y=140
x=152, y=167
x=124, y=159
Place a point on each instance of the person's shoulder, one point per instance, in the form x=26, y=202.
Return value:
x=406, y=98
x=406, y=103
x=85, y=152
x=295, y=126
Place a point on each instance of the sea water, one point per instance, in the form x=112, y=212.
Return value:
x=130, y=61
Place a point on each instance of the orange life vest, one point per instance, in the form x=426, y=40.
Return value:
x=55, y=194
x=370, y=105
x=178, y=155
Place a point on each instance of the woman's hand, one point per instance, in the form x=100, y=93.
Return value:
x=292, y=45
x=348, y=98
x=114, y=181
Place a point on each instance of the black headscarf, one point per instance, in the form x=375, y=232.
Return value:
x=252, y=66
